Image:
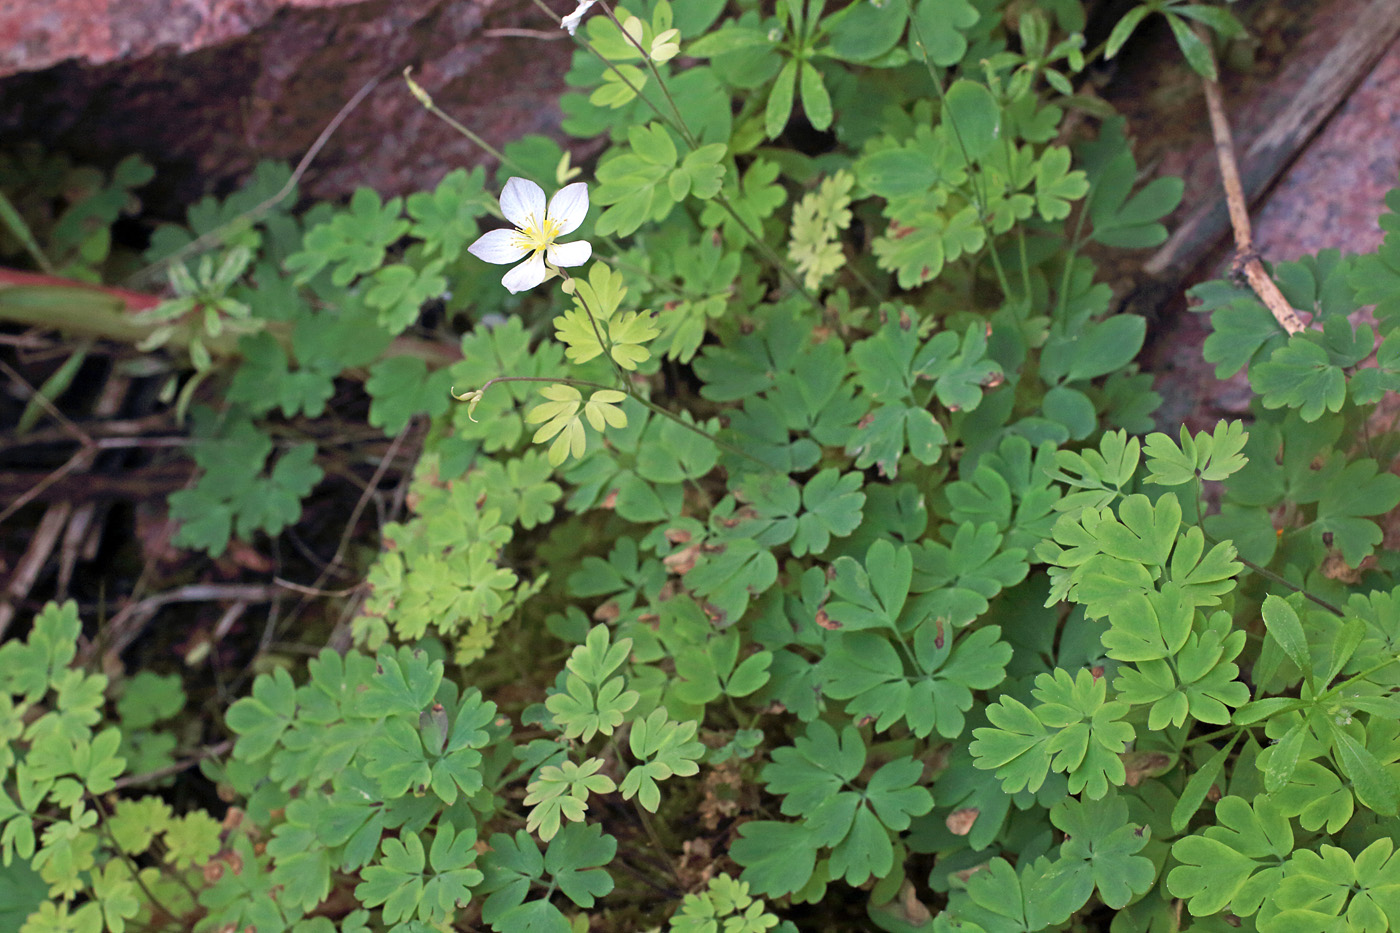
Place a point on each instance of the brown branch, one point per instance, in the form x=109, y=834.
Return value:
x=126, y=625
x=1300, y=116
x=150, y=777
x=1246, y=259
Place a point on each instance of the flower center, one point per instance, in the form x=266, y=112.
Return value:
x=537, y=236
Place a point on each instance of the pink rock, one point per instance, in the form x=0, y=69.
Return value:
x=40, y=33
x=207, y=88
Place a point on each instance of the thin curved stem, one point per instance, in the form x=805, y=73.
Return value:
x=417, y=90
x=252, y=214
x=677, y=123
x=978, y=194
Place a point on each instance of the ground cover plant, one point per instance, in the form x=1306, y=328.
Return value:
x=790, y=547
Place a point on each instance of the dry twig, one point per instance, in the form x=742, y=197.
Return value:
x=1247, y=261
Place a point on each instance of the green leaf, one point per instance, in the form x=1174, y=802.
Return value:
x=405, y=885
x=401, y=388
x=662, y=748
x=873, y=595
x=445, y=218
x=398, y=291
x=1101, y=849
x=778, y=858
x=974, y=117
x=832, y=508
x=1236, y=864
x=593, y=701
x=1124, y=28
x=1073, y=730
x=1329, y=890
x=865, y=668
x=1374, y=787
x=1211, y=457
x=1195, y=50
x=576, y=859
x=1284, y=627
x=1149, y=626
x=1096, y=349
x=1358, y=489
x=353, y=242
x=1300, y=375
x=1199, y=786
x=867, y=32
x=1056, y=185
x=562, y=791
x=1117, y=219
x=938, y=27
x=779, y=108
x=816, y=102
x=261, y=719
x=22, y=890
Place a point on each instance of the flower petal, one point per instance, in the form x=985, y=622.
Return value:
x=522, y=201
x=499, y=246
x=526, y=275
x=570, y=254
x=571, y=21
x=569, y=206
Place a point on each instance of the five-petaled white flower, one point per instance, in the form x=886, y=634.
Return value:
x=571, y=21
x=537, y=229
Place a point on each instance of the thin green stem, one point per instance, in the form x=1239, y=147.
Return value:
x=1219, y=733
x=131, y=865
x=451, y=121
x=1025, y=266
x=656, y=282
x=1076, y=242
x=1262, y=571
x=251, y=216
x=627, y=387
x=1275, y=578
x=677, y=123
x=656, y=73
x=642, y=815
x=979, y=196
x=641, y=400
x=1356, y=678
x=20, y=230
x=604, y=345
x=769, y=253
x=607, y=63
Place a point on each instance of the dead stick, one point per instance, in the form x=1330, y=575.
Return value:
x=1328, y=83
x=1246, y=259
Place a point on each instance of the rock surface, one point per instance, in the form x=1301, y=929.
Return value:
x=35, y=34
x=204, y=89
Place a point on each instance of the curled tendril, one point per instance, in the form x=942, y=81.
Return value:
x=471, y=398
x=416, y=89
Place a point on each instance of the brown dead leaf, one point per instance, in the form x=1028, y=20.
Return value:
x=1140, y=765
x=1335, y=567
x=960, y=822
x=913, y=909
x=682, y=561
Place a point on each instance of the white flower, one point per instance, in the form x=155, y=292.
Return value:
x=571, y=21
x=537, y=228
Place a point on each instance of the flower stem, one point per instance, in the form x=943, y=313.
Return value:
x=604, y=345
x=677, y=123
x=681, y=126
x=644, y=402
x=447, y=118
x=978, y=194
